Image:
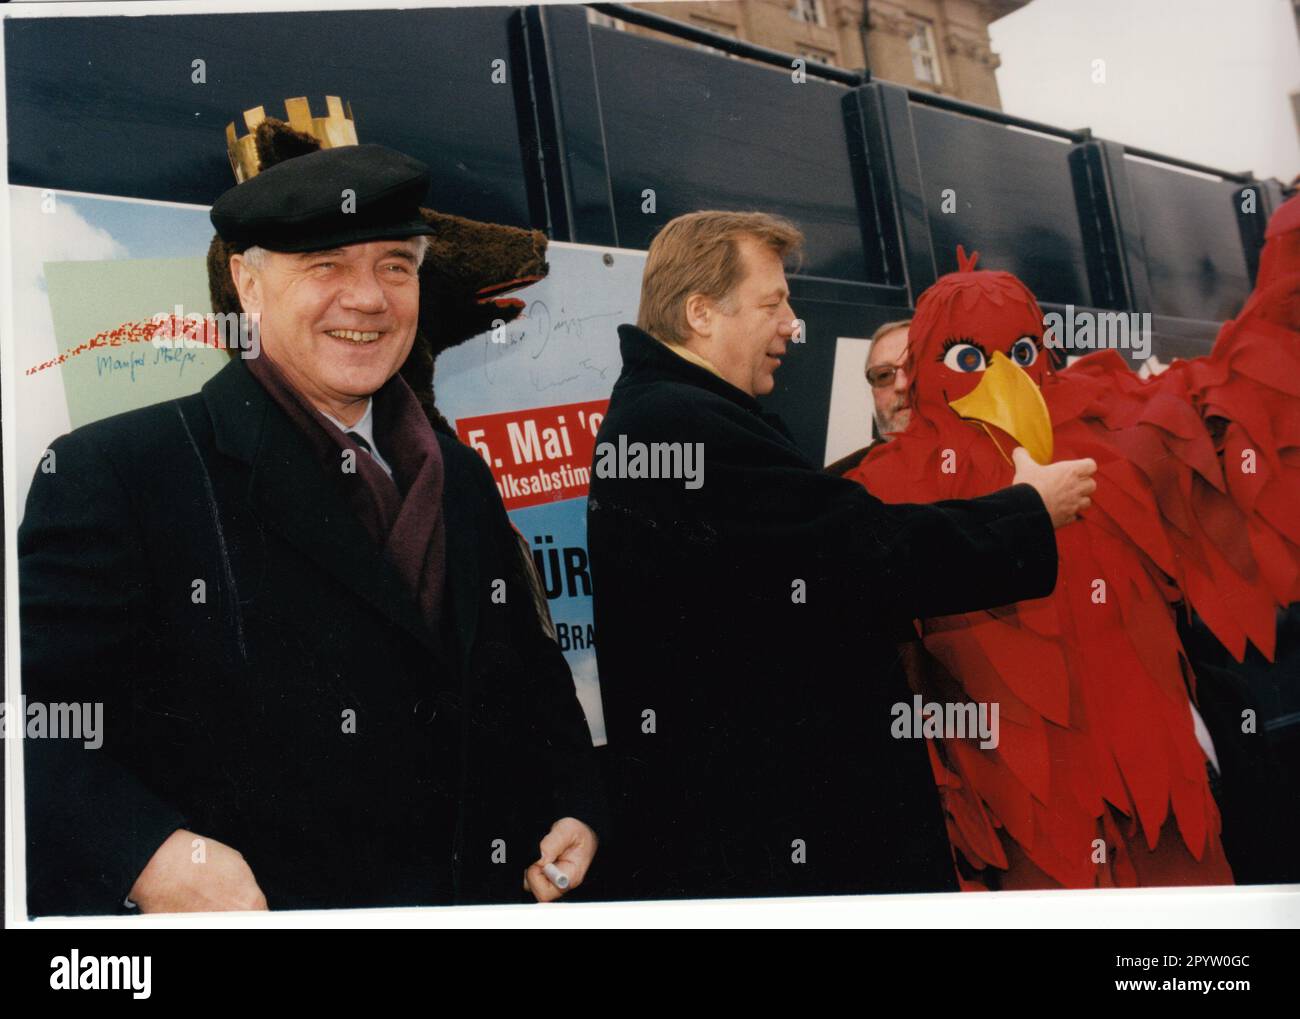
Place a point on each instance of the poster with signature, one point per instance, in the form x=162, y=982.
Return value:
x=530, y=400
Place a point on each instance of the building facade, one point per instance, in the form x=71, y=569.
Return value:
x=938, y=45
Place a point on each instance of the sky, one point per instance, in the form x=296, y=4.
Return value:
x=1203, y=80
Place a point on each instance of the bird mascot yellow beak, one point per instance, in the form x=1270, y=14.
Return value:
x=1007, y=398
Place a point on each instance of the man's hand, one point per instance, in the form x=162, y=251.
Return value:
x=1064, y=486
x=172, y=882
x=570, y=845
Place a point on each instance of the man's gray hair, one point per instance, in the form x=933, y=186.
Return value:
x=889, y=327
x=885, y=330
x=255, y=257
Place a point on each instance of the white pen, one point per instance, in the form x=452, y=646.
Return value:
x=557, y=876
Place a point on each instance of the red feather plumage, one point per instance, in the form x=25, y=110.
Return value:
x=1098, y=779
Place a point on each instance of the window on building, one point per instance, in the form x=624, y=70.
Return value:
x=811, y=12
x=821, y=56
x=719, y=29
x=605, y=20
x=925, y=56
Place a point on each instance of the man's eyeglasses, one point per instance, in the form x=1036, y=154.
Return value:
x=882, y=375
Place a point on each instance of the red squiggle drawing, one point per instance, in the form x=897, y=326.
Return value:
x=168, y=331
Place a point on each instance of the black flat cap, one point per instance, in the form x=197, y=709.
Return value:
x=298, y=205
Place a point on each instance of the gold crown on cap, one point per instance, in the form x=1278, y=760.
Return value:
x=333, y=130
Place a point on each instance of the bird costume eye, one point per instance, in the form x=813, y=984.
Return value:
x=1024, y=351
x=964, y=356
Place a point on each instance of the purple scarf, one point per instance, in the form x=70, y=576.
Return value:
x=409, y=528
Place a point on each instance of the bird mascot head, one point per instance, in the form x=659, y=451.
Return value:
x=976, y=349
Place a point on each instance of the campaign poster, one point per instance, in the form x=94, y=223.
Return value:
x=530, y=397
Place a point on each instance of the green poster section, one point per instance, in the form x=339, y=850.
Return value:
x=88, y=298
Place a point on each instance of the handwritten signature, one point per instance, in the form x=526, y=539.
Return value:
x=540, y=324
x=112, y=364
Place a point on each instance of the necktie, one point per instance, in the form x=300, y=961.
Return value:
x=360, y=440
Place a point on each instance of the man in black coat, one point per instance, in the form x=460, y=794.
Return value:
x=748, y=607
x=304, y=612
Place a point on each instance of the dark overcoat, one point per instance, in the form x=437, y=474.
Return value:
x=267, y=680
x=747, y=637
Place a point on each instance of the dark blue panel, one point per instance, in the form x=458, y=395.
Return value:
x=106, y=105
x=1193, y=242
x=1182, y=337
x=1015, y=202
x=708, y=132
x=571, y=135
x=878, y=122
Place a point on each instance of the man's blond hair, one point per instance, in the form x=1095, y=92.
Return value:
x=697, y=254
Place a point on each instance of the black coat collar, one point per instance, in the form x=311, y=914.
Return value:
x=644, y=355
x=646, y=359
x=294, y=496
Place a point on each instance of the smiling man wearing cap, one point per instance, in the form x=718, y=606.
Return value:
x=303, y=609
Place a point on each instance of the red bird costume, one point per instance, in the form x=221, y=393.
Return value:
x=1098, y=779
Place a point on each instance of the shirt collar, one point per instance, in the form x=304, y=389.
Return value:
x=364, y=427
x=690, y=355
